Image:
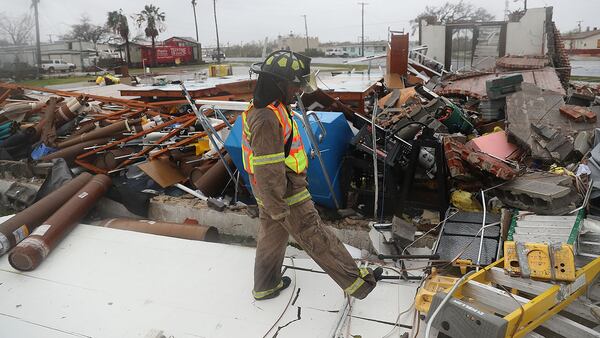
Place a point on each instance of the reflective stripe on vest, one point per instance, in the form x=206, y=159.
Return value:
x=291, y=200
x=296, y=159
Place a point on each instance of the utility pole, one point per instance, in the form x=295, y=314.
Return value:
x=197, y=38
x=306, y=30
x=362, y=45
x=217, y=30
x=34, y=3
x=579, y=25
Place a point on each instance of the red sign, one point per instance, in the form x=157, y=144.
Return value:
x=168, y=54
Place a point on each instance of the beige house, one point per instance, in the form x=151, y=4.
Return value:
x=296, y=43
x=583, y=40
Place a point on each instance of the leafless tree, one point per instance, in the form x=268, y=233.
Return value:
x=453, y=12
x=16, y=30
x=85, y=30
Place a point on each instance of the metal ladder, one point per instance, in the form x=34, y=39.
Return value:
x=490, y=303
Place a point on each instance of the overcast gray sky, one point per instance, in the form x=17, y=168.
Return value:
x=247, y=20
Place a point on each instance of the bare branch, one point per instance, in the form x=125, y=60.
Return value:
x=16, y=29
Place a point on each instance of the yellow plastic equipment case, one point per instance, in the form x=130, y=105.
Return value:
x=540, y=260
x=219, y=70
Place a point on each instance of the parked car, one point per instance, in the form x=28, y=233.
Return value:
x=214, y=55
x=335, y=52
x=52, y=66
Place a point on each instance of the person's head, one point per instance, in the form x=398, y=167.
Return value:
x=281, y=76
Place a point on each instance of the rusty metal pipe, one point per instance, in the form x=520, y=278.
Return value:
x=68, y=110
x=110, y=130
x=69, y=153
x=214, y=180
x=83, y=128
x=111, y=158
x=20, y=225
x=196, y=232
x=30, y=253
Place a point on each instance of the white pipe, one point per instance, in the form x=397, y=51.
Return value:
x=482, y=229
x=223, y=105
x=191, y=192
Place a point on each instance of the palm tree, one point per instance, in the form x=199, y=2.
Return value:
x=117, y=23
x=154, y=20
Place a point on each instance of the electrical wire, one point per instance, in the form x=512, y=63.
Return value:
x=521, y=314
x=444, y=301
x=288, y=304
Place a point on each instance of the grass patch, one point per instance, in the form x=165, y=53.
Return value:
x=585, y=78
x=57, y=80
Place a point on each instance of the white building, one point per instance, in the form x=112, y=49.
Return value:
x=453, y=44
x=349, y=49
x=77, y=52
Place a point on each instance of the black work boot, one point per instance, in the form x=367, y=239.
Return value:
x=377, y=273
x=285, y=282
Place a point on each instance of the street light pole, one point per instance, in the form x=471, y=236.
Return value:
x=35, y=3
x=217, y=30
x=306, y=30
x=362, y=47
x=197, y=38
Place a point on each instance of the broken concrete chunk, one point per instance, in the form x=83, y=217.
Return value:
x=543, y=130
x=502, y=86
x=403, y=229
x=542, y=193
x=582, y=144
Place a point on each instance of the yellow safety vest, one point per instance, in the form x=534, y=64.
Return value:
x=295, y=160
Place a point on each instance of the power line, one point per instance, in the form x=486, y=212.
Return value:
x=362, y=48
x=217, y=30
x=306, y=29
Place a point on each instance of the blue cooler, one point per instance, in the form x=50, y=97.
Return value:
x=333, y=148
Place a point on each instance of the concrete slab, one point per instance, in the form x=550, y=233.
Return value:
x=102, y=282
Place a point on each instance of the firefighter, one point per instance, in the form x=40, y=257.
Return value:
x=275, y=159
